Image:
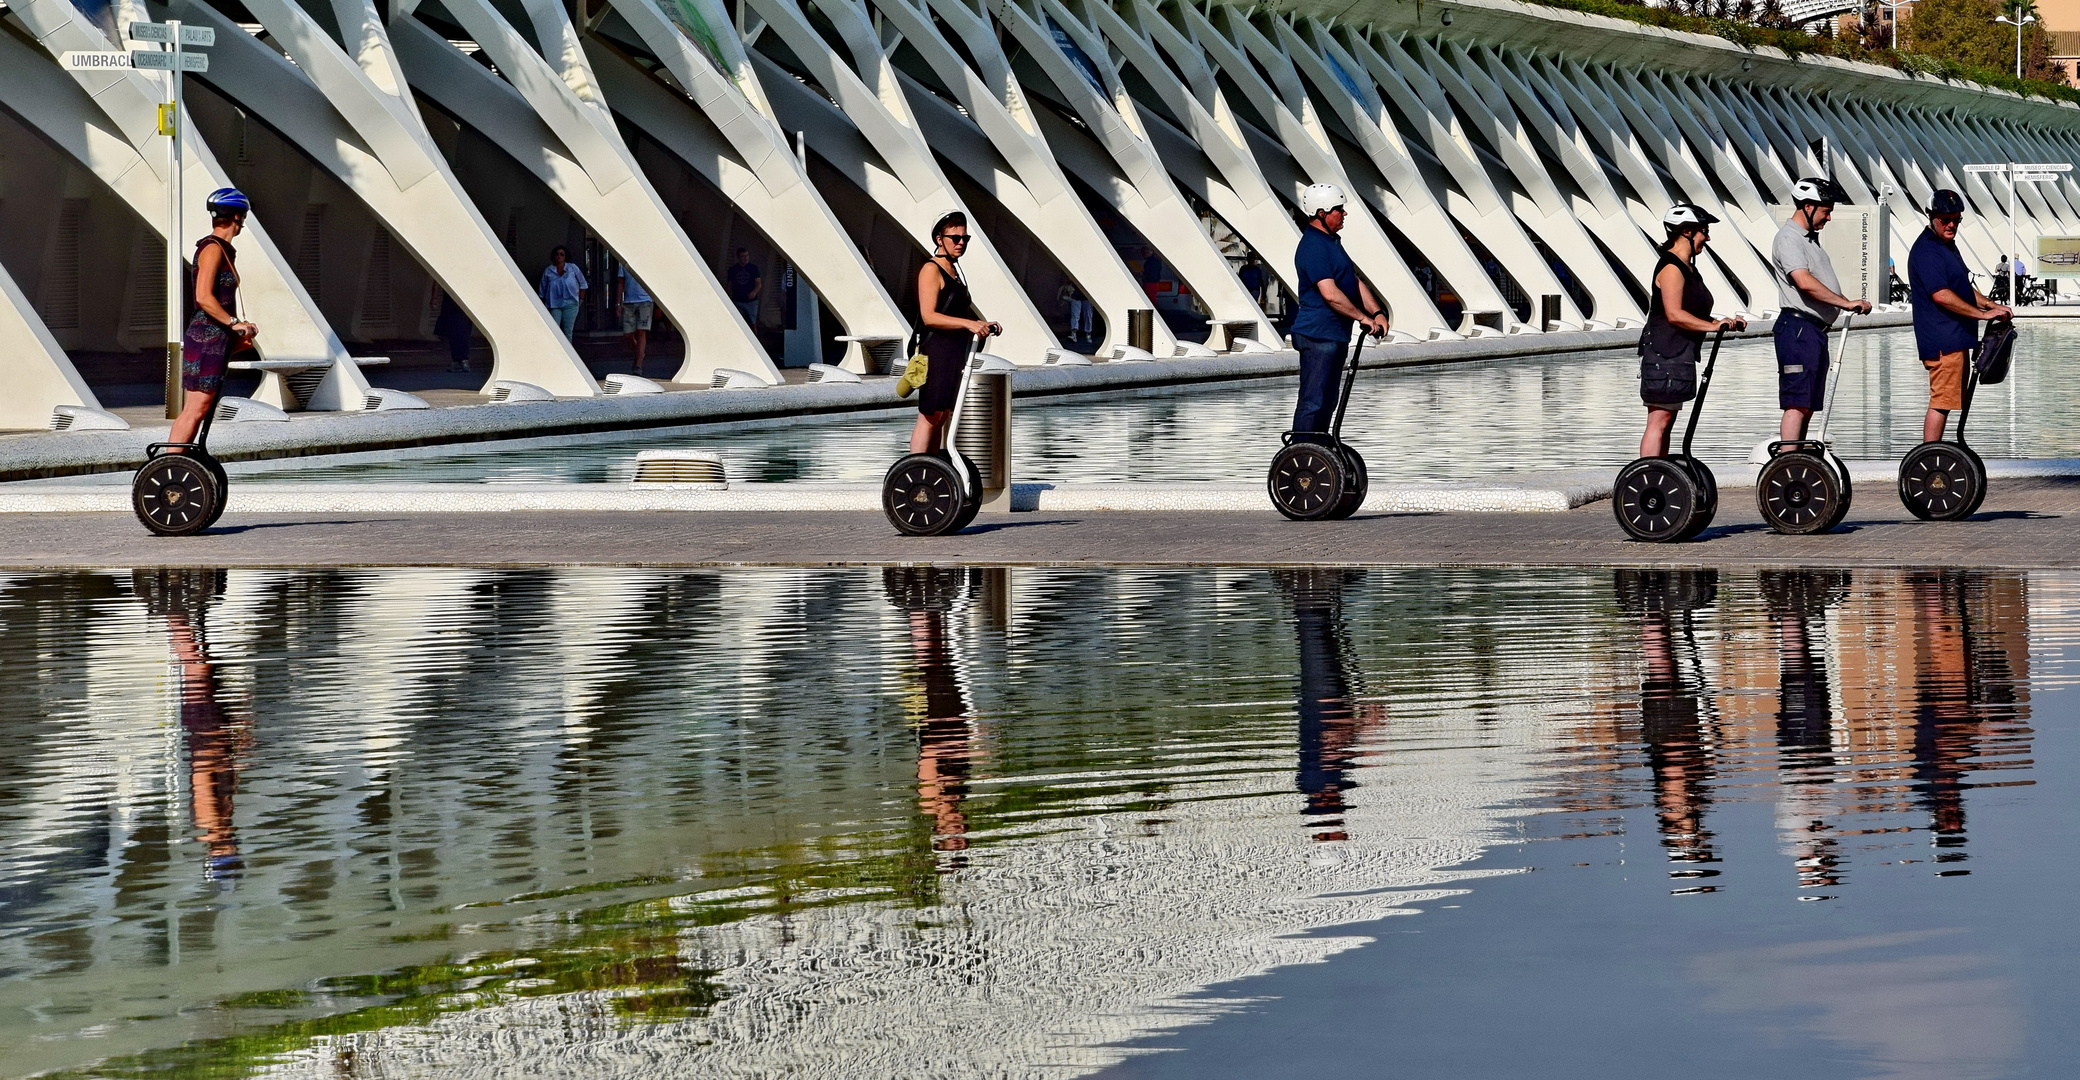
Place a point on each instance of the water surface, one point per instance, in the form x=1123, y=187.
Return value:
x=1036, y=823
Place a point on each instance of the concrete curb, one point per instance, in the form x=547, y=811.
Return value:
x=72, y=453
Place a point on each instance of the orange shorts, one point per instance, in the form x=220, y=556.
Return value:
x=1946, y=381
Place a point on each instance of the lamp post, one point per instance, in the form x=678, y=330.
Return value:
x=2018, y=22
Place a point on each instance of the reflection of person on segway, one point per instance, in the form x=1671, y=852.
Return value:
x=928, y=492
x=1802, y=488
x=1941, y=480
x=1316, y=476
x=1663, y=496
x=182, y=489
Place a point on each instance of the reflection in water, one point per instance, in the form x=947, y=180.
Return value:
x=1332, y=709
x=633, y=823
x=1675, y=705
x=216, y=744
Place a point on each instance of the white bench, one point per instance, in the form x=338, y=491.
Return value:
x=288, y=384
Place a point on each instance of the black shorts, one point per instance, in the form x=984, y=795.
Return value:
x=1801, y=363
x=1664, y=382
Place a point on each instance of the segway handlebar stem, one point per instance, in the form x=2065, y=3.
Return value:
x=1834, y=377
x=960, y=399
x=1704, y=385
x=1350, y=377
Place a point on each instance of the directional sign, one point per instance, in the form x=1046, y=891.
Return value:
x=163, y=61
x=162, y=33
x=94, y=61
x=2002, y=167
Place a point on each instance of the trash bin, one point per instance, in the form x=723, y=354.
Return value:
x=1548, y=312
x=1141, y=329
x=985, y=428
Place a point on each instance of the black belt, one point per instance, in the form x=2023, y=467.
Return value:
x=1805, y=317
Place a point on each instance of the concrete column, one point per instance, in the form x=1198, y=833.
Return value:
x=570, y=144
x=354, y=117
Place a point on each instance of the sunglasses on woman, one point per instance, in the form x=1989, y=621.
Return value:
x=955, y=238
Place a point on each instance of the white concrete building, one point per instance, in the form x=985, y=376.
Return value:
x=1508, y=164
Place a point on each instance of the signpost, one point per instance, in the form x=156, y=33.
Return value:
x=2020, y=172
x=174, y=62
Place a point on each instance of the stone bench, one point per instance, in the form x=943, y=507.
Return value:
x=288, y=384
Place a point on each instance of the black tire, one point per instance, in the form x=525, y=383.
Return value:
x=1708, y=502
x=1656, y=500
x=1841, y=512
x=1306, y=481
x=1979, y=465
x=923, y=495
x=216, y=469
x=1355, y=485
x=175, y=495
x=974, y=502
x=1941, y=481
x=1799, y=493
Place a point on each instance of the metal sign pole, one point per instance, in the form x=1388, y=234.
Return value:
x=170, y=126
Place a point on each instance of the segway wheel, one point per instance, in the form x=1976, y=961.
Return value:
x=1978, y=466
x=175, y=495
x=1708, y=498
x=1306, y=481
x=1798, y=493
x=1656, y=500
x=216, y=469
x=1355, y=484
x=1941, y=481
x=923, y=495
x=1841, y=512
x=973, y=504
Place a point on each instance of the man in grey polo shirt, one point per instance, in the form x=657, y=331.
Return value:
x=1811, y=299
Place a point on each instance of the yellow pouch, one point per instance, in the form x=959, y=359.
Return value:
x=913, y=375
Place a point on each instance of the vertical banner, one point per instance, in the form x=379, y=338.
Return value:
x=1855, y=241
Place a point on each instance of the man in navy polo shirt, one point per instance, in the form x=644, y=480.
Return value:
x=1322, y=325
x=1947, y=310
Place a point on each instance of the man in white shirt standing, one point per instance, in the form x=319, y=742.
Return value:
x=1811, y=299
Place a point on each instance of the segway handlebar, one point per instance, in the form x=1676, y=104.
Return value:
x=1350, y=376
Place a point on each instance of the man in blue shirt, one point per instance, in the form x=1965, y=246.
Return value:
x=1322, y=326
x=1947, y=310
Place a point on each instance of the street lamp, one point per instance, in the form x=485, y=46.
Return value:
x=2018, y=23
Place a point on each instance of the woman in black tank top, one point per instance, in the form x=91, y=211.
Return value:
x=943, y=314
x=1679, y=315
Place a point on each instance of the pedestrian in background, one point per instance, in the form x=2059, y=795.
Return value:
x=636, y=308
x=563, y=288
x=453, y=326
x=215, y=332
x=746, y=282
x=1947, y=310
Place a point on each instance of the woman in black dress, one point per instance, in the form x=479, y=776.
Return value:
x=942, y=300
x=1679, y=315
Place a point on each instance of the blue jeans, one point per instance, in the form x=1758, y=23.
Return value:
x=1321, y=362
x=566, y=318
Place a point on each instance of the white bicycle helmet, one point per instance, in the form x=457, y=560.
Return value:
x=1685, y=214
x=1319, y=199
x=1817, y=189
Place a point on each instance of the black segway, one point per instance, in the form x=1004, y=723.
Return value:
x=1664, y=499
x=1804, y=487
x=939, y=491
x=182, y=489
x=1317, y=476
x=1945, y=480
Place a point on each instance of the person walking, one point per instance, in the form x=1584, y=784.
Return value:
x=1947, y=310
x=746, y=283
x=215, y=333
x=1679, y=315
x=1810, y=298
x=562, y=288
x=944, y=311
x=636, y=308
x=453, y=326
x=1331, y=298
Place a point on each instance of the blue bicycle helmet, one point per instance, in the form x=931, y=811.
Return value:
x=228, y=201
x=1945, y=201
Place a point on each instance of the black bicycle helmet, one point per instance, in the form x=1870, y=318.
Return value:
x=1945, y=201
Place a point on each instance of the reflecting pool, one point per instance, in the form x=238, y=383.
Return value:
x=1037, y=823
x=1442, y=422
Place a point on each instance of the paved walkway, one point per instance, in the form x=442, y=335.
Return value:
x=2024, y=524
